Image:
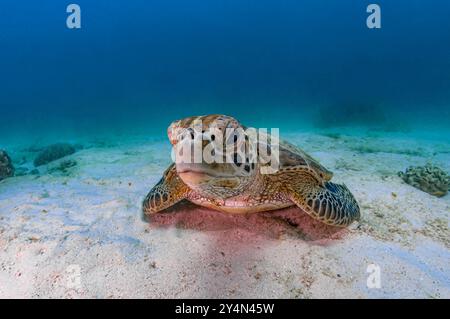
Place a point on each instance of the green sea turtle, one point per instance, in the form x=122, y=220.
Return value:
x=240, y=186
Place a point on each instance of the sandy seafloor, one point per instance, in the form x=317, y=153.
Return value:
x=88, y=219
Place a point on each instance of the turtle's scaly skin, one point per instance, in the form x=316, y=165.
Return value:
x=300, y=181
x=169, y=191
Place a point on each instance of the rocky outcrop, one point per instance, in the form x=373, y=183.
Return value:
x=53, y=152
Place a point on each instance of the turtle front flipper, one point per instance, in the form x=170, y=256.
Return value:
x=169, y=191
x=330, y=203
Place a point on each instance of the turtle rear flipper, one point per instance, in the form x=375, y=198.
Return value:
x=169, y=191
x=330, y=203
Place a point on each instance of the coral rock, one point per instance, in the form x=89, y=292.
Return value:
x=6, y=166
x=428, y=178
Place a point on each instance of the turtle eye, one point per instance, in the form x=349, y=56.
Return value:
x=191, y=133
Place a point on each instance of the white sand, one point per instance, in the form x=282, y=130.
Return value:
x=53, y=226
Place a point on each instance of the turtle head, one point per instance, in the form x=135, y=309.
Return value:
x=212, y=155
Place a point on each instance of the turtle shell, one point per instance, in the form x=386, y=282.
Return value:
x=293, y=158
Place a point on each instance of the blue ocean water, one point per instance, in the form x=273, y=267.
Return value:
x=138, y=65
